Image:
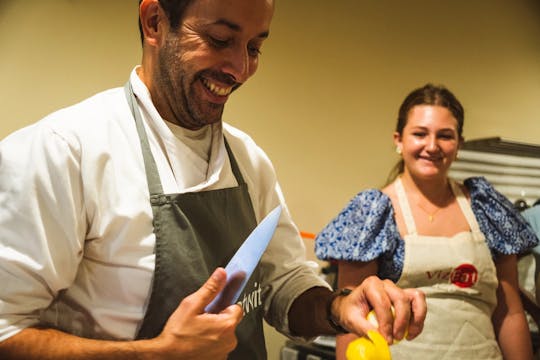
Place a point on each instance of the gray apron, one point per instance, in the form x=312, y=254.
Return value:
x=195, y=233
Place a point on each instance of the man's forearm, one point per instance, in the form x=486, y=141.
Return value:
x=45, y=344
x=309, y=313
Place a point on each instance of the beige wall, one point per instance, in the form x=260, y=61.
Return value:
x=324, y=102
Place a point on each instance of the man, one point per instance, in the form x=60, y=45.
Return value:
x=117, y=214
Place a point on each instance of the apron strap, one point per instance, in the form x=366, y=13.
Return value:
x=234, y=165
x=464, y=206
x=152, y=175
x=405, y=207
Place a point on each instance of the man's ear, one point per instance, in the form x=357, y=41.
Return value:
x=153, y=22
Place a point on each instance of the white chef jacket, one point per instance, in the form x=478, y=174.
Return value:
x=75, y=216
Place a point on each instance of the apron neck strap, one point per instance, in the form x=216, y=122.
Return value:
x=234, y=165
x=464, y=206
x=405, y=207
x=152, y=174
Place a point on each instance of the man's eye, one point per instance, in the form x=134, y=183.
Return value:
x=218, y=42
x=419, y=134
x=254, y=51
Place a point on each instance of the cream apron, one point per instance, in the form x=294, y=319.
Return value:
x=459, y=279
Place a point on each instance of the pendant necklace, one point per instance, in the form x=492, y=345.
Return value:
x=431, y=216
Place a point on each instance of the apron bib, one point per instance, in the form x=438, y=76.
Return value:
x=195, y=233
x=459, y=279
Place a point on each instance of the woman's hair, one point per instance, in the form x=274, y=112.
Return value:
x=428, y=94
x=174, y=9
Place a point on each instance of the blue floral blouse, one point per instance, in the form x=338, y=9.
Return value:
x=366, y=229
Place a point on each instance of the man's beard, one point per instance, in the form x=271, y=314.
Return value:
x=178, y=90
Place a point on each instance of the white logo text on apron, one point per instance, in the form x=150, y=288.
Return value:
x=251, y=300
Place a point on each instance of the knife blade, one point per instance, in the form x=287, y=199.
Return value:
x=244, y=262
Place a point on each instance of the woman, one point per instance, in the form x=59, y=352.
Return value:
x=456, y=242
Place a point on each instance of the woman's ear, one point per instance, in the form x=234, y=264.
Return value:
x=153, y=20
x=460, y=144
x=397, y=142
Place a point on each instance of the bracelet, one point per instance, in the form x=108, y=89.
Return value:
x=336, y=326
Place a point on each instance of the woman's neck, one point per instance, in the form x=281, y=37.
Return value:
x=437, y=191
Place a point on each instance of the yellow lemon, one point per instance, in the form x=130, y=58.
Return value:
x=374, y=347
x=372, y=318
x=360, y=349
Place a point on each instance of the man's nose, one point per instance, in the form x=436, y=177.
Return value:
x=238, y=64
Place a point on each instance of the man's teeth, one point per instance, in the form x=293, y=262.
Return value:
x=217, y=89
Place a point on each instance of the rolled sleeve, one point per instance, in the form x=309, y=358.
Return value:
x=41, y=224
x=289, y=275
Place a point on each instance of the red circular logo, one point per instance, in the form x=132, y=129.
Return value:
x=465, y=275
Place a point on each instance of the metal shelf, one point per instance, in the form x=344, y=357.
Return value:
x=499, y=145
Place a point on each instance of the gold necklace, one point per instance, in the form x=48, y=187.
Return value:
x=431, y=216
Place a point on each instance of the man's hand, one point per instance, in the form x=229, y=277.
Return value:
x=190, y=333
x=381, y=295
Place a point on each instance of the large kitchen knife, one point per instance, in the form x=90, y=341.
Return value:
x=244, y=261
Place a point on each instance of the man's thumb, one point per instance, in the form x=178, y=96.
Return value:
x=209, y=290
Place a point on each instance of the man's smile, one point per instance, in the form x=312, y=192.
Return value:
x=216, y=89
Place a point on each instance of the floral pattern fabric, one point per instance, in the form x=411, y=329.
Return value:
x=366, y=229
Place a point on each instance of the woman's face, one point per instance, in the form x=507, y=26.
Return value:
x=429, y=142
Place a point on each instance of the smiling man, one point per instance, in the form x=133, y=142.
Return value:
x=117, y=214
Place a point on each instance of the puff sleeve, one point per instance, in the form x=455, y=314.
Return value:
x=505, y=229
x=363, y=231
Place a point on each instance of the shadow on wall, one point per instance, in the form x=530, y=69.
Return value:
x=536, y=6
x=4, y=6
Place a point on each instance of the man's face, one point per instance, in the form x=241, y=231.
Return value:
x=214, y=50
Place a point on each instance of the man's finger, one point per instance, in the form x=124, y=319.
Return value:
x=235, y=312
x=378, y=298
x=208, y=291
x=402, y=311
x=419, y=311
